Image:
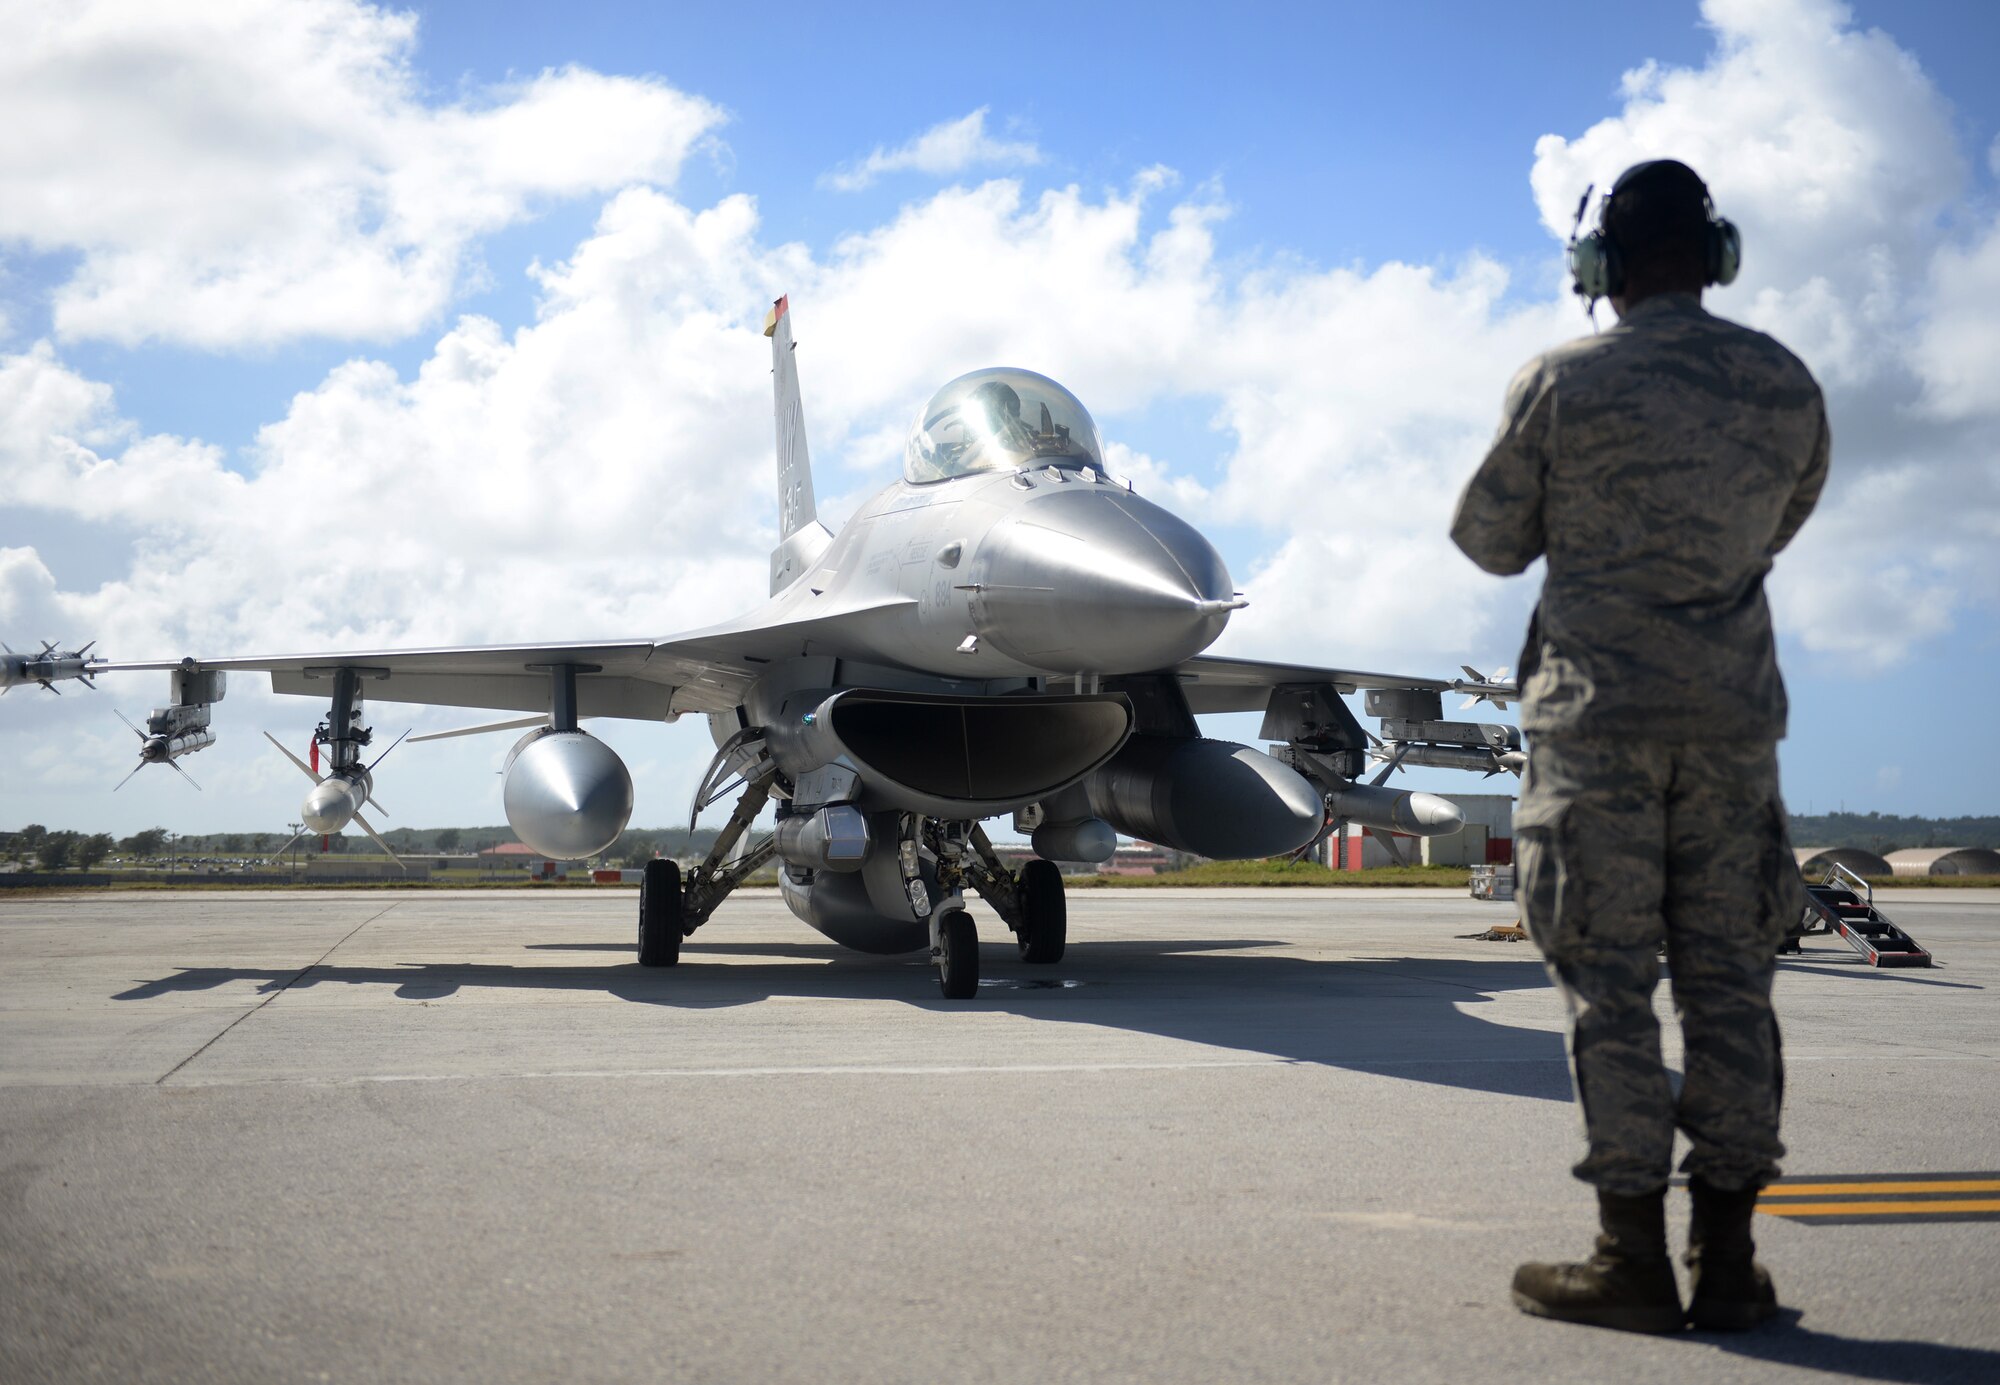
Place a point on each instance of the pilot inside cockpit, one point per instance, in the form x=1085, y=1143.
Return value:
x=1000, y=420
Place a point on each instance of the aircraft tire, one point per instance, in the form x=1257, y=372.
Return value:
x=660, y=914
x=958, y=963
x=1044, y=930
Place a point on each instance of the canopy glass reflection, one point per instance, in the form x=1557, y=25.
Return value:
x=1000, y=419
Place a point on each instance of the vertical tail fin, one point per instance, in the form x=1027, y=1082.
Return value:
x=801, y=537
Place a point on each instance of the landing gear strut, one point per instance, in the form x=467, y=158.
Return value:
x=954, y=936
x=1030, y=902
x=670, y=908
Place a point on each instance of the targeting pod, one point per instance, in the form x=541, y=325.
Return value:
x=834, y=838
x=1089, y=839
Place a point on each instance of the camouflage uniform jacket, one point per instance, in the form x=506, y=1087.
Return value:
x=1660, y=465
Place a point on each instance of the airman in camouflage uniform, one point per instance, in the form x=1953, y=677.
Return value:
x=1659, y=465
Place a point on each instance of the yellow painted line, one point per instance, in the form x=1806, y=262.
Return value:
x=1940, y=1207
x=1965, y=1185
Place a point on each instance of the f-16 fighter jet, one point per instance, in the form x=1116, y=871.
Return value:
x=1006, y=630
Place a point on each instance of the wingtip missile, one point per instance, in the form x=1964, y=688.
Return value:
x=1479, y=688
x=47, y=668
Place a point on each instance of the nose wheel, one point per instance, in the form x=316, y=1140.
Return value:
x=957, y=955
x=660, y=929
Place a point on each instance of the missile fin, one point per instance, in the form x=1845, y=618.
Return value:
x=512, y=724
x=376, y=837
x=1389, y=845
x=293, y=758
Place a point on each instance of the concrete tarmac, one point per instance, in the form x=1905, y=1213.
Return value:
x=1235, y=1135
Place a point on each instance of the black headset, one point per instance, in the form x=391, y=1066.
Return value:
x=1599, y=269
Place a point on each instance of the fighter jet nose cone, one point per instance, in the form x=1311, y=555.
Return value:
x=1095, y=580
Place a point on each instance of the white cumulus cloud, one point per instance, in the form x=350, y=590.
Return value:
x=605, y=469
x=952, y=146
x=253, y=172
x=1837, y=157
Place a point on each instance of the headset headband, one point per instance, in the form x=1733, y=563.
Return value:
x=1596, y=263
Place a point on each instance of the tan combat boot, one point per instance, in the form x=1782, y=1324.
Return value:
x=1728, y=1290
x=1628, y=1284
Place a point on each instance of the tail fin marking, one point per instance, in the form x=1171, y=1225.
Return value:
x=801, y=537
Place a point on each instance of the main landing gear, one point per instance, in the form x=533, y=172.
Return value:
x=660, y=929
x=670, y=908
x=1043, y=929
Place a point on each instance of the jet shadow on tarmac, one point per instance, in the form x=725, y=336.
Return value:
x=1395, y=1016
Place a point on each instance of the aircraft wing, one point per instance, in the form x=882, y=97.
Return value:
x=642, y=680
x=1216, y=684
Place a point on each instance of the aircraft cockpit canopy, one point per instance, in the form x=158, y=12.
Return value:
x=1000, y=419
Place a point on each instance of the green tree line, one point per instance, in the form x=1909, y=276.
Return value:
x=37, y=846
x=1886, y=832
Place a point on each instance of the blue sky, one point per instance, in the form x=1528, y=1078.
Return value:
x=1378, y=167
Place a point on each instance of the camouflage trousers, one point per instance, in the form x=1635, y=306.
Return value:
x=1627, y=845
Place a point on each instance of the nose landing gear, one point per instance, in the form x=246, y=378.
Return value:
x=956, y=952
x=1030, y=902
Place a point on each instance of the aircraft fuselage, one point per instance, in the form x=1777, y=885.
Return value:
x=1029, y=573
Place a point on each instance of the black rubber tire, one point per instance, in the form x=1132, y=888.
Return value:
x=958, y=966
x=1044, y=930
x=660, y=914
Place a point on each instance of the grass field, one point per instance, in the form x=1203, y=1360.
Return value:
x=1279, y=873
x=1276, y=874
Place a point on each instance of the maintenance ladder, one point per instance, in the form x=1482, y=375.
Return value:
x=1833, y=906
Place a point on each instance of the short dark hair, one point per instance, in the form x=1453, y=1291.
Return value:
x=1658, y=215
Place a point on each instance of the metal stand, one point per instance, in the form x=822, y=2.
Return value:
x=1833, y=906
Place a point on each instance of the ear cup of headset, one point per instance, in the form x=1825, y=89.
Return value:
x=1594, y=265
x=1599, y=270
x=1725, y=250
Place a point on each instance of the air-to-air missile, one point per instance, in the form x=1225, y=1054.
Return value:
x=338, y=796
x=47, y=668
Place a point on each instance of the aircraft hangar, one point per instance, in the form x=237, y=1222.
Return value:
x=1945, y=860
x=1815, y=861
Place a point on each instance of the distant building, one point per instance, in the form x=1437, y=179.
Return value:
x=520, y=856
x=1138, y=858
x=1945, y=860
x=1816, y=861
x=1363, y=850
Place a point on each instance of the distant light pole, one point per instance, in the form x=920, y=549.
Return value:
x=173, y=854
x=296, y=829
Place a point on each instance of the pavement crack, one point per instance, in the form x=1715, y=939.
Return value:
x=295, y=978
